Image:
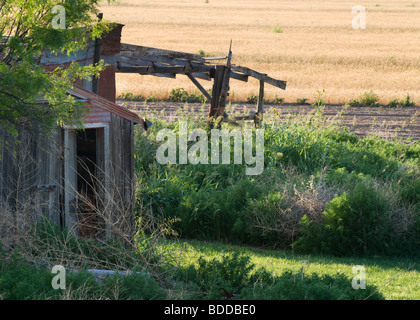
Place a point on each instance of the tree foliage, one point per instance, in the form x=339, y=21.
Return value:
x=27, y=32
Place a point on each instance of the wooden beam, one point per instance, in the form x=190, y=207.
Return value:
x=238, y=76
x=158, y=68
x=130, y=49
x=201, y=75
x=199, y=86
x=215, y=58
x=164, y=75
x=155, y=60
x=260, y=76
x=140, y=70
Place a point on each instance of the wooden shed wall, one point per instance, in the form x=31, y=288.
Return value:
x=121, y=156
x=29, y=165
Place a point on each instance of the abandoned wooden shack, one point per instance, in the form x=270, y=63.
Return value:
x=81, y=179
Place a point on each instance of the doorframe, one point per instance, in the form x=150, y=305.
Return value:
x=70, y=170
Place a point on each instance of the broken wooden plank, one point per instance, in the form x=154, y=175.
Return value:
x=150, y=67
x=148, y=51
x=238, y=76
x=156, y=69
x=215, y=58
x=201, y=75
x=260, y=76
x=146, y=60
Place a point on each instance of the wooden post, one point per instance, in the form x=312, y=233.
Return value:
x=225, y=84
x=260, y=106
x=217, y=86
x=70, y=180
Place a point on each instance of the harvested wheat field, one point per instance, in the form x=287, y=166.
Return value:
x=310, y=44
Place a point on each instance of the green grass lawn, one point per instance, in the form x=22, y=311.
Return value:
x=395, y=278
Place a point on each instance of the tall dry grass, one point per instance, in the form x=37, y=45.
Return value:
x=106, y=234
x=316, y=47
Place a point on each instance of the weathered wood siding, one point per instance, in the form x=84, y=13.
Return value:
x=30, y=178
x=121, y=176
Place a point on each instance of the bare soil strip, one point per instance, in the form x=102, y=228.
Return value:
x=390, y=123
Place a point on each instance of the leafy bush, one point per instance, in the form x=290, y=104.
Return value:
x=299, y=286
x=370, y=99
x=407, y=102
x=302, y=101
x=20, y=281
x=181, y=95
x=352, y=224
x=277, y=29
x=135, y=286
x=367, y=99
x=252, y=99
x=235, y=276
x=210, y=199
x=232, y=272
x=279, y=100
x=23, y=281
x=216, y=215
x=393, y=103
x=354, y=103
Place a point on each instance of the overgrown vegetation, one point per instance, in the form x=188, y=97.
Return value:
x=323, y=190
x=181, y=95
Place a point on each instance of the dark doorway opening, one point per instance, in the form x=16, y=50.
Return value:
x=87, y=182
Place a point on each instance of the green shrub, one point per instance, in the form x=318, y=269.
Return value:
x=407, y=102
x=21, y=281
x=232, y=272
x=299, y=286
x=277, y=29
x=370, y=99
x=181, y=95
x=302, y=101
x=352, y=224
x=82, y=285
x=393, y=103
x=355, y=103
x=367, y=99
x=216, y=215
x=252, y=99
x=135, y=286
x=279, y=100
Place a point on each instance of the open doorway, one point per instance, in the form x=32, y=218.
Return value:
x=87, y=181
